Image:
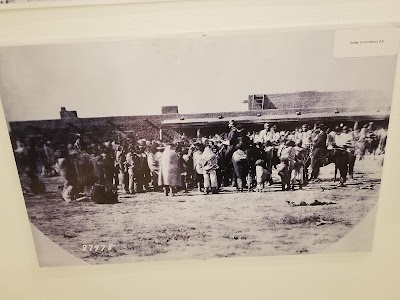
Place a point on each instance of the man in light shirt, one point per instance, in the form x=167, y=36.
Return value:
x=265, y=134
x=306, y=138
x=344, y=139
x=332, y=136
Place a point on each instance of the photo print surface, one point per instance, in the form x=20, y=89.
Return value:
x=196, y=147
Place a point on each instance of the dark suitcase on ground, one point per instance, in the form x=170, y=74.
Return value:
x=103, y=195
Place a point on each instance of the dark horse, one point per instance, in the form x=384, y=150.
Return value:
x=341, y=158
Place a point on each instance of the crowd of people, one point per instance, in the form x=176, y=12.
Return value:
x=236, y=158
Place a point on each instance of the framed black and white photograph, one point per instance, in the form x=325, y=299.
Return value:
x=200, y=146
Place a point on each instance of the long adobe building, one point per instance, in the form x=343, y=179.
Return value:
x=287, y=110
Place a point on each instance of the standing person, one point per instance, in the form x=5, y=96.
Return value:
x=363, y=141
x=186, y=163
x=198, y=166
x=35, y=184
x=306, y=138
x=170, y=173
x=281, y=146
x=382, y=135
x=287, y=156
x=142, y=170
x=298, y=167
x=131, y=164
x=269, y=156
x=20, y=156
x=79, y=144
x=153, y=162
x=306, y=143
x=319, y=151
x=254, y=153
x=275, y=134
x=262, y=175
x=291, y=136
x=74, y=159
x=114, y=149
x=109, y=168
x=97, y=165
x=67, y=170
x=210, y=166
x=49, y=162
x=256, y=138
x=222, y=174
x=298, y=133
x=345, y=141
x=120, y=166
x=240, y=166
x=87, y=168
x=233, y=136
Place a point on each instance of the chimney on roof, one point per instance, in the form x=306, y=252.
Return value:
x=166, y=110
x=68, y=114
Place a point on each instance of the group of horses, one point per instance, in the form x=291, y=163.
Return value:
x=343, y=158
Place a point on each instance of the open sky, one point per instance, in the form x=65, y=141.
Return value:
x=198, y=73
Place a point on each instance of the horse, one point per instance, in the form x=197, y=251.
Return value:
x=341, y=158
x=338, y=156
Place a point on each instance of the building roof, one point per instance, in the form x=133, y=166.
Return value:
x=306, y=99
x=275, y=118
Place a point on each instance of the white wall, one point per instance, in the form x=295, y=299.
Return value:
x=347, y=276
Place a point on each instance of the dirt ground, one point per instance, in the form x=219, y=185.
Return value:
x=151, y=226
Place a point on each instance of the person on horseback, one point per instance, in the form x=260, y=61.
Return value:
x=342, y=154
x=266, y=134
x=332, y=135
x=232, y=138
x=344, y=139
